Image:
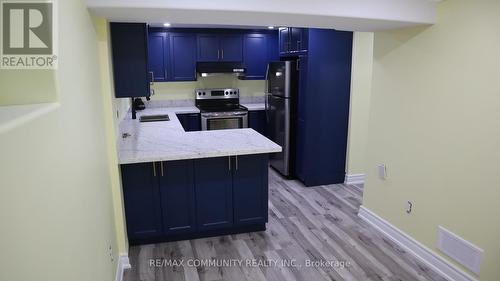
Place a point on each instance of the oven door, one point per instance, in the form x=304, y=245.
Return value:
x=224, y=120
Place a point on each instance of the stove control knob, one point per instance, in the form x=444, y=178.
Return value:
x=203, y=93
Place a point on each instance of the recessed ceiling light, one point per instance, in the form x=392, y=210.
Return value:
x=167, y=24
x=270, y=27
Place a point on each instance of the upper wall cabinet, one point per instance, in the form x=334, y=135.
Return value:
x=256, y=55
x=172, y=56
x=157, y=59
x=182, y=57
x=213, y=47
x=129, y=46
x=258, y=50
x=293, y=40
x=173, y=53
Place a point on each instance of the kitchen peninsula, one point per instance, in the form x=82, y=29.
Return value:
x=181, y=185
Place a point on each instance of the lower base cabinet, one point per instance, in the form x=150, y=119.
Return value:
x=250, y=189
x=190, y=121
x=214, y=192
x=185, y=199
x=141, y=196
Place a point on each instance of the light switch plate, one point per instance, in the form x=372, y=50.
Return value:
x=382, y=171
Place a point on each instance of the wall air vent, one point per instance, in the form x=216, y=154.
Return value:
x=460, y=250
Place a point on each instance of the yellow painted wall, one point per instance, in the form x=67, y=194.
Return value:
x=114, y=110
x=56, y=212
x=434, y=120
x=15, y=91
x=185, y=90
x=361, y=79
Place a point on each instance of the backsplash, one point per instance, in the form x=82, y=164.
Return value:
x=190, y=102
x=185, y=90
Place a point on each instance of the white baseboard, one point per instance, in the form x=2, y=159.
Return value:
x=424, y=254
x=355, y=179
x=123, y=263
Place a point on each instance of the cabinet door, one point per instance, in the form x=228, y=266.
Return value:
x=213, y=187
x=208, y=47
x=295, y=39
x=250, y=188
x=182, y=57
x=130, y=59
x=190, y=122
x=231, y=48
x=273, y=45
x=284, y=40
x=158, y=46
x=177, y=196
x=257, y=121
x=255, y=54
x=141, y=197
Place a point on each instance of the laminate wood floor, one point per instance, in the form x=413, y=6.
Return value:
x=313, y=234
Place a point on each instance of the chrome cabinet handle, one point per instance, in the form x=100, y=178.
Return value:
x=222, y=53
x=218, y=54
x=152, y=77
x=161, y=165
x=229, y=166
x=236, y=159
x=154, y=169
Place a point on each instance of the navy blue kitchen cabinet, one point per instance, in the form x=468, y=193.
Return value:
x=250, y=189
x=293, y=40
x=186, y=199
x=190, y=121
x=129, y=47
x=159, y=45
x=213, y=47
x=257, y=121
x=231, y=47
x=214, y=193
x=256, y=55
x=208, y=47
x=182, y=57
x=284, y=40
x=176, y=179
x=323, y=107
x=141, y=196
x=172, y=56
x=274, y=52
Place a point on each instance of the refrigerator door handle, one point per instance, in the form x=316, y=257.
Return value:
x=266, y=108
x=267, y=93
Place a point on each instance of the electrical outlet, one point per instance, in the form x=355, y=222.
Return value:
x=382, y=171
x=110, y=253
x=409, y=207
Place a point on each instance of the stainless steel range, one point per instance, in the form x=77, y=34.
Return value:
x=221, y=109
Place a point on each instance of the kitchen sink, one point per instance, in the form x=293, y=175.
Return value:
x=154, y=118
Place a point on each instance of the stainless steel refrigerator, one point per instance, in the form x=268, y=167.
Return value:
x=281, y=88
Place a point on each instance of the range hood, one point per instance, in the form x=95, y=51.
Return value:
x=210, y=68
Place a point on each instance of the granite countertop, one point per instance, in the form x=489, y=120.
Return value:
x=167, y=140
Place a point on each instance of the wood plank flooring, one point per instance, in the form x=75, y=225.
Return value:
x=306, y=224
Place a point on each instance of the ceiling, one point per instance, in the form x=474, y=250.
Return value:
x=354, y=15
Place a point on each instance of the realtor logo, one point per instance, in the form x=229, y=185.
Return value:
x=28, y=34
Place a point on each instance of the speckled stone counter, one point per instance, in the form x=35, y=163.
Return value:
x=167, y=140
